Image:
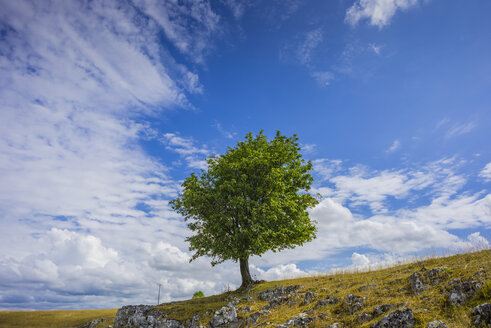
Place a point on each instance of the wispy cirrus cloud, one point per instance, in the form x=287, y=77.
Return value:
x=395, y=145
x=189, y=25
x=378, y=12
x=460, y=129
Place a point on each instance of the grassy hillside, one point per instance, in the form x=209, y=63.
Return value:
x=386, y=286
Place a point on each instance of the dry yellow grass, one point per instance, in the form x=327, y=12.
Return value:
x=54, y=319
x=392, y=287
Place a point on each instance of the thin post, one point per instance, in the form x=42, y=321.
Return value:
x=158, y=299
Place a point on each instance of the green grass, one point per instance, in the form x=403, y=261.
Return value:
x=54, y=319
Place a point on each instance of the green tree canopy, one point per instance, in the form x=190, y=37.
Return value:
x=252, y=199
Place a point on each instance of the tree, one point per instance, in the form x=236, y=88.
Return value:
x=252, y=199
x=198, y=294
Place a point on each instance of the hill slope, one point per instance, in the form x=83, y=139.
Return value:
x=444, y=289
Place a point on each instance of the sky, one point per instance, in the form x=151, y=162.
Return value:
x=106, y=106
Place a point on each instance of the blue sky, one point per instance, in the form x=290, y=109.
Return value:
x=106, y=106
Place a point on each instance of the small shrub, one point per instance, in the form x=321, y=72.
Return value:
x=198, y=294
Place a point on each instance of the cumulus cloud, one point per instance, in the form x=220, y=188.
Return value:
x=279, y=272
x=378, y=12
x=359, y=260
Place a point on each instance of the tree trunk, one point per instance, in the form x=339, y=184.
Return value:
x=244, y=272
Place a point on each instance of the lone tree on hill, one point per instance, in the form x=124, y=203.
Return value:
x=252, y=199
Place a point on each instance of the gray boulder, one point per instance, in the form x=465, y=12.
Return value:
x=435, y=275
x=459, y=292
x=298, y=321
x=143, y=316
x=381, y=309
x=481, y=315
x=309, y=298
x=253, y=318
x=225, y=317
x=354, y=302
x=417, y=283
x=398, y=319
x=364, y=317
x=334, y=325
x=271, y=294
x=436, y=324
x=329, y=300
x=367, y=287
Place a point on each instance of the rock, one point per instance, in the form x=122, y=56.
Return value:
x=193, y=322
x=459, y=292
x=298, y=321
x=309, y=298
x=381, y=309
x=355, y=303
x=225, y=317
x=233, y=302
x=330, y=299
x=245, y=309
x=334, y=325
x=270, y=294
x=436, y=324
x=276, y=301
x=92, y=323
x=435, y=275
x=417, y=284
x=143, y=316
x=367, y=287
x=481, y=315
x=252, y=319
x=364, y=317
x=398, y=319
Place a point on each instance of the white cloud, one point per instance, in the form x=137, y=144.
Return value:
x=308, y=148
x=279, y=272
x=379, y=12
x=326, y=167
x=311, y=40
x=395, y=145
x=323, y=78
x=360, y=260
x=189, y=25
x=460, y=129
x=486, y=172
x=225, y=133
x=194, y=156
x=375, y=48
x=474, y=242
x=75, y=186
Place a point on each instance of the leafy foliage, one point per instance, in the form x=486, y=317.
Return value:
x=198, y=294
x=252, y=199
